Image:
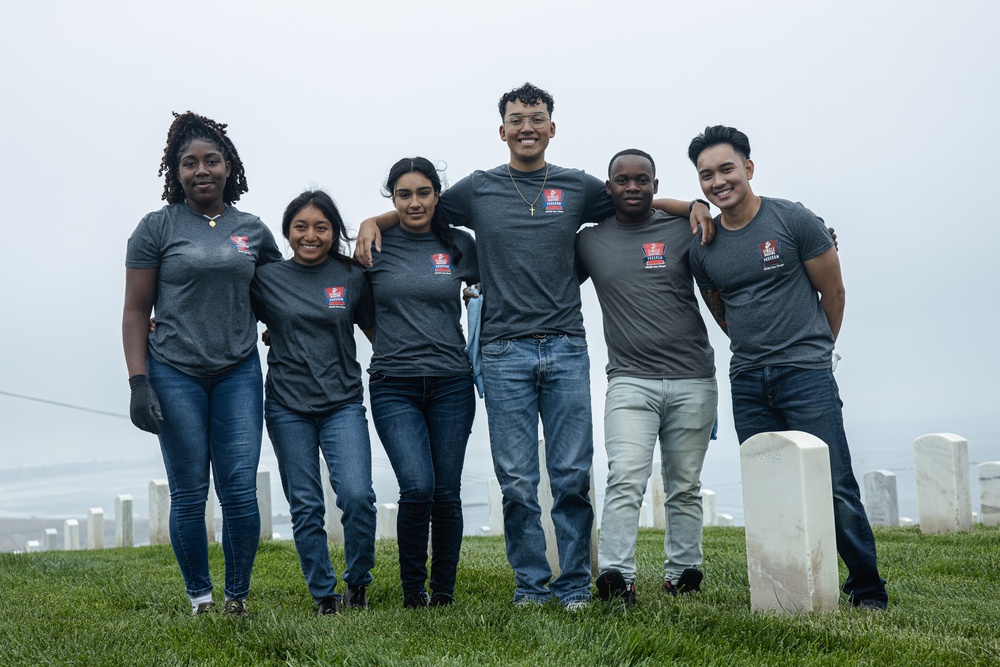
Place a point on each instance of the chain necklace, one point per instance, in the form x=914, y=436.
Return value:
x=213, y=218
x=531, y=205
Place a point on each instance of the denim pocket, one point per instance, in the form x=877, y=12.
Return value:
x=576, y=341
x=496, y=348
x=377, y=376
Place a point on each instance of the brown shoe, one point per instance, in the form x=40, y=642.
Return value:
x=236, y=608
x=204, y=608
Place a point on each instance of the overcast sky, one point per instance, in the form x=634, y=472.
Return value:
x=880, y=117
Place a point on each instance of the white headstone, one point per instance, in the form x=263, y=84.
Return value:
x=32, y=546
x=495, y=497
x=264, y=504
x=658, y=497
x=707, y=507
x=95, y=528
x=124, y=535
x=210, y=511
x=645, y=521
x=905, y=521
x=788, y=508
x=989, y=493
x=159, y=512
x=332, y=517
x=485, y=531
x=881, y=499
x=944, y=495
x=724, y=520
x=386, y=519
x=51, y=539
x=71, y=535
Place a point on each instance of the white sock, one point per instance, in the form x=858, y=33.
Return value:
x=201, y=599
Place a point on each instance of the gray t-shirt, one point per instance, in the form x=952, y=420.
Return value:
x=418, y=304
x=204, y=325
x=310, y=311
x=527, y=262
x=772, y=308
x=652, y=325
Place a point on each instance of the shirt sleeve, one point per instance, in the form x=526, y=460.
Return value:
x=456, y=203
x=364, y=314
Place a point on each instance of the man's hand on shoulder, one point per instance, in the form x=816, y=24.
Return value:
x=368, y=233
x=701, y=217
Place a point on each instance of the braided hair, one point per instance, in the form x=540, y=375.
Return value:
x=421, y=165
x=186, y=128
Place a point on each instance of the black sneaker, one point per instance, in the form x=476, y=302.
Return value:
x=237, y=608
x=689, y=582
x=329, y=606
x=442, y=600
x=204, y=608
x=415, y=600
x=355, y=597
x=871, y=604
x=611, y=585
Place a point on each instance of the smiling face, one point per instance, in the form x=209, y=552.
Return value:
x=202, y=173
x=725, y=176
x=310, y=235
x=415, y=202
x=528, y=141
x=632, y=187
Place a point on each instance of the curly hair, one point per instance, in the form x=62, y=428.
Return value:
x=421, y=165
x=186, y=128
x=528, y=95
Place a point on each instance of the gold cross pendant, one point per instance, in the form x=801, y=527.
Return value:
x=532, y=210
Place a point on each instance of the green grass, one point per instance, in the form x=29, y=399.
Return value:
x=127, y=607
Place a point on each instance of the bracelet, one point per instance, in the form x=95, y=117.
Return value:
x=698, y=201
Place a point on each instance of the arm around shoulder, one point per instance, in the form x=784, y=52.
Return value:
x=371, y=232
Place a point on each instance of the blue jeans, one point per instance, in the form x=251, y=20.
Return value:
x=548, y=377
x=785, y=398
x=424, y=424
x=342, y=437
x=637, y=411
x=212, y=424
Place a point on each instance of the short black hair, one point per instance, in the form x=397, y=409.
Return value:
x=186, y=128
x=719, y=134
x=528, y=95
x=632, y=151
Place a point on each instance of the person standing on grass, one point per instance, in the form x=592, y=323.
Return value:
x=525, y=215
x=422, y=396
x=196, y=378
x=661, y=376
x=772, y=281
x=311, y=304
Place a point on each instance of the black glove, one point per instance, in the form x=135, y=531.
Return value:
x=144, y=407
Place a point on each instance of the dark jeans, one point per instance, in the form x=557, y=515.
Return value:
x=785, y=398
x=212, y=423
x=424, y=424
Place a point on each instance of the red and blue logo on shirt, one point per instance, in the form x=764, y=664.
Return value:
x=441, y=263
x=770, y=254
x=553, y=201
x=652, y=255
x=336, y=297
x=242, y=243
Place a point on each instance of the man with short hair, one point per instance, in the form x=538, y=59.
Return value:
x=760, y=278
x=661, y=376
x=525, y=215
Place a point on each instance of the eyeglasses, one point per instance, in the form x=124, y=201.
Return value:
x=537, y=120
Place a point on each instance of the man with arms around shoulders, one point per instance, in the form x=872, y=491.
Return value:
x=525, y=215
x=661, y=376
x=772, y=281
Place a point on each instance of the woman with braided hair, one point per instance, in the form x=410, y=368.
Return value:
x=196, y=379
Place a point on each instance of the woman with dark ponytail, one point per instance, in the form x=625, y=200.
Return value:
x=422, y=396
x=311, y=304
x=196, y=379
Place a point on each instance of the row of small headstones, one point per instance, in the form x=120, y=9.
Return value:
x=944, y=491
x=943, y=495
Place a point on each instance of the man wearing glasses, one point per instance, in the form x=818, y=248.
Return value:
x=525, y=215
